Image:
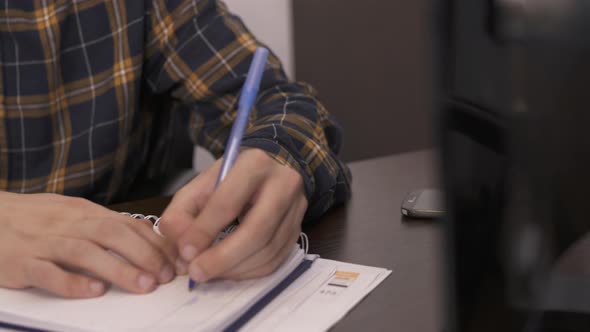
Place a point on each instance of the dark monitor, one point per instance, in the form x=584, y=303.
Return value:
x=515, y=136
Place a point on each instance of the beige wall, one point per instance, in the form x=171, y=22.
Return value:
x=271, y=21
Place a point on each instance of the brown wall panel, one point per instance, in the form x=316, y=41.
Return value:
x=371, y=63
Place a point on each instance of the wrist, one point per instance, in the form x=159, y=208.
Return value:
x=286, y=157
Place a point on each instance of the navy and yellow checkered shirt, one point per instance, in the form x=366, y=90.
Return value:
x=77, y=78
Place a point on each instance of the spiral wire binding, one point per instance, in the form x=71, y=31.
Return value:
x=304, y=242
x=155, y=221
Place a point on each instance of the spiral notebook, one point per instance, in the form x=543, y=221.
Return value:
x=301, y=287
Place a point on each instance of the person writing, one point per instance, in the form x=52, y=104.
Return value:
x=75, y=134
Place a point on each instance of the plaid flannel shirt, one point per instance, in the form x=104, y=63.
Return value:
x=75, y=76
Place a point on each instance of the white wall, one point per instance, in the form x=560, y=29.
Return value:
x=271, y=21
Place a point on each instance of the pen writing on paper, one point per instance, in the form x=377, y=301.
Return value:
x=245, y=104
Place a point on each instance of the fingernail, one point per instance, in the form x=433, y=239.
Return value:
x=96, y=287
x=189, y=252
x=181, y=267
x=146, y=282
x=166, y=274
x=197, y=274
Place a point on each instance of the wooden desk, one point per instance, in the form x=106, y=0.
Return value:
x=371, y=231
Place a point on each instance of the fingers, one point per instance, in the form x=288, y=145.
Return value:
x=87, y=256
x=224, y=206
x=167, y=247
x=270, y=257
x=269, y=267
x=263, y=231
x=187, y=203
x=44, y=249
x=117, y=235
x=48, y=276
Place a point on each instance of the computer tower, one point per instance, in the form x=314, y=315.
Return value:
x=515, y=146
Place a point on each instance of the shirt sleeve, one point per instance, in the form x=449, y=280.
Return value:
x=199, y=53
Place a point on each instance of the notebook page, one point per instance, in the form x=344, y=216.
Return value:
x=231, y=306
x=171, y=307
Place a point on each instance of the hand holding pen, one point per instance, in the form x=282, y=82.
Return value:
x=266, y=195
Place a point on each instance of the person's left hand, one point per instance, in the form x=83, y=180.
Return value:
x=270, y=201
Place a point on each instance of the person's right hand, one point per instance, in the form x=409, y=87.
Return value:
x=72, y=247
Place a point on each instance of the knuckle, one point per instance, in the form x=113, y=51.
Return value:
x=129, y=225
x=76, y=202
x=153, y=262
x=111, y=229
x=182, y=192
x=50, y=197
x=57, y=198
x=81, y=207
x=166, y=226
x=76, y=250
x=172, y=216
x=150, y=258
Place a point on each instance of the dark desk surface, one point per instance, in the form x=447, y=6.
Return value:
x=371, y=231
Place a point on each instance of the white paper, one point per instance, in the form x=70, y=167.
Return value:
x=209, y=307
x=311, y=304
x=316, y=301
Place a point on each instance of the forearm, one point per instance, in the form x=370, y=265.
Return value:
x=288, y=121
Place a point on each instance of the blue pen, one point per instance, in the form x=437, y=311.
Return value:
x=245, y=104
